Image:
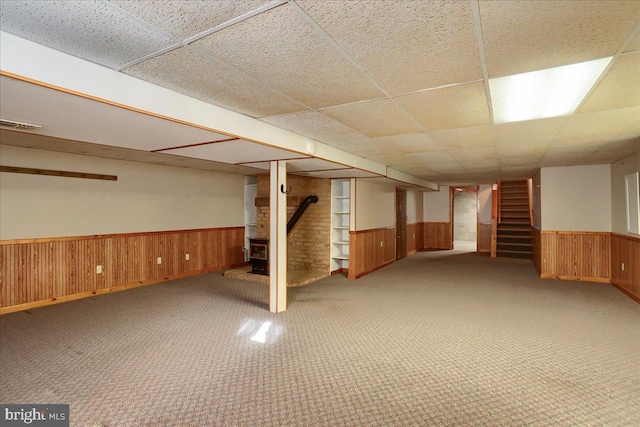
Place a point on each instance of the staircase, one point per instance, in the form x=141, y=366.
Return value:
x=514, y=227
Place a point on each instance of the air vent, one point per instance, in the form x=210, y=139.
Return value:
x=18, y=125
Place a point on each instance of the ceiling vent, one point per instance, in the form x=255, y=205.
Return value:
x=18, y=125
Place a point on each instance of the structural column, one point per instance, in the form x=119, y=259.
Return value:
x=278, y=237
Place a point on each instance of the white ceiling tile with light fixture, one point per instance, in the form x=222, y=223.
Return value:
x=452, y=92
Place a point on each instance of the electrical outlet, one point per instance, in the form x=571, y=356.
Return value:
x=622, y=266
x=98, y=269
x=186, y=257
x=159, y=260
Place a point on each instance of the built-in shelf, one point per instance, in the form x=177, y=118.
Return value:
x=340, y=219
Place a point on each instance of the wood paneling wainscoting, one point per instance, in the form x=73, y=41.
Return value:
x=484, y=237
x=575, y=255
x=38, y=272
x=415, y=237
x=626, y=249
x=437, y=235
x=370, y=250
x=536, y=248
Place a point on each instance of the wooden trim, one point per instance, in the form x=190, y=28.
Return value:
x=276, y=160
x=594, y=233
x=108, y=236
x=576, y=278
x=62, y=174
x=160, y=150
x=81, y=295
x=370, y=230
x=340, y=270
x=631, y=295
x=626, y=237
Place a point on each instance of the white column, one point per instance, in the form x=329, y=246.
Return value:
x=278, y=237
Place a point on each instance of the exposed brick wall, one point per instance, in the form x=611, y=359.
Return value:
x=308, y=244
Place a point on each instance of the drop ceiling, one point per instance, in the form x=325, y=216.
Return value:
x=402, y=83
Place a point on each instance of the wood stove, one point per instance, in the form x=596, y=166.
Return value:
x=259, y=255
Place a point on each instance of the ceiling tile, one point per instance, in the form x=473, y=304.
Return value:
x=213, y=82
x=410, y=168
x=448, y=108
x=184, y=19
x=634, y=44
x=523, y=149
x=520, y=161
x=92, y=30
x=409, y=142
x=474, y=154
x=619, y=88
x=471, y=137
x=521, y=36
x=529, y=131
x=281, y=49
x=431, y=158
x=602, y=124
x=301, y=165
x=374, y=118
x=316, y=126
x=404, y=45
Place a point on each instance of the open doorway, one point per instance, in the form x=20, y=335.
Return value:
x=465, y=219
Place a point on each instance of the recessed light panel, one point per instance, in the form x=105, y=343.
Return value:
x=542, y=94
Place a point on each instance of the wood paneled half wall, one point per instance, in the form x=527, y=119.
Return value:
x=438, y=235
x=40, y=272
x=575, y=255
x=370, y=250
x=625, y=264
x=415, y=237
x=484, y=237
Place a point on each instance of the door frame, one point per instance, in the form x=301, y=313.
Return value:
x=400, y=251
x=476, y=190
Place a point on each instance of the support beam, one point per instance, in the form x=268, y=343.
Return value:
x=277, y=237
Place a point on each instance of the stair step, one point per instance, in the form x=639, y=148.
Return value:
x=514, y=254
x=514, y=247
x=514, y=238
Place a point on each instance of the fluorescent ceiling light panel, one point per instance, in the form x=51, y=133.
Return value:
x=542, y=94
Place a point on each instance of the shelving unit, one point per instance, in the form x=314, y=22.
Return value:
x=250, y=226
x=340, y=220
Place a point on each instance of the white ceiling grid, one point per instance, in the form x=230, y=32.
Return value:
x=403, y=83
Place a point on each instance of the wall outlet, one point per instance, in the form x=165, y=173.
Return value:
x=159, y=260
x=98, y=269
x=622, y=266
x=186, y=257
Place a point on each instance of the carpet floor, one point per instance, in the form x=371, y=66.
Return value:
x=437, y=339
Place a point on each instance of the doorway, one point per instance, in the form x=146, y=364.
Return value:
x=401, y=223
x=465, y=219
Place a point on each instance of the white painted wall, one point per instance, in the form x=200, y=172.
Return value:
x=484, y=199
x=619, y=169
x=576, y=198
x=415, y=208
x=375, y=205
x=145, y=197
x=436, y=205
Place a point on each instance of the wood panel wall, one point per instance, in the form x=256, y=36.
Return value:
x=437, y=235
x=40, y=272
x=536, y=248
x=574, y=255
x=415, y=237
x=626, y=249
x=366, y=254
x=484, y=237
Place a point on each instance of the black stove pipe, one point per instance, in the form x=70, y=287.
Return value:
x=303, y=207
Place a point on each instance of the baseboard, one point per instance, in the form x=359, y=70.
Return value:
x=412, y=252
x=484, y=251
x=435, y=249
x=575, y=278
x=622, y=289
x=73, y=297
x=340, y=270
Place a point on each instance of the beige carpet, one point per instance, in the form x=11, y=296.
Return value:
x=437, y=339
